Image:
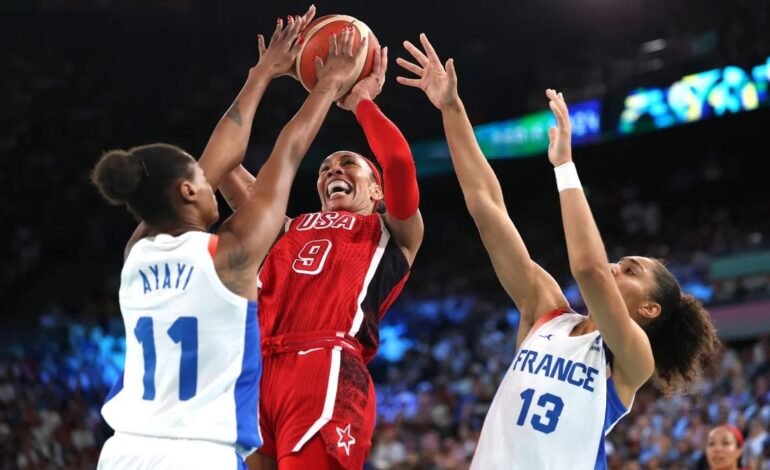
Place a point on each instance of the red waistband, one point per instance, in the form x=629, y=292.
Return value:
x=296, y=342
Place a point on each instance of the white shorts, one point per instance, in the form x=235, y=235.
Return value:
x=129, y=451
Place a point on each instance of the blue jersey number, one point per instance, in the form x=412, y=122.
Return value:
x=183, y=331
x=552, y=405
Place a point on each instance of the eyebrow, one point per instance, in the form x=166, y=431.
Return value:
x=344, y=158
x=633, y=261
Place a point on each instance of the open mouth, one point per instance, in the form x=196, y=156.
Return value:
x=338, y=188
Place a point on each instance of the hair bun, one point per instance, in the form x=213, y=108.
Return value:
x=117, y=175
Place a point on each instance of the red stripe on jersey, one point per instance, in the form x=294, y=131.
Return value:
x=213, y=243
x=393, y=295
x=547, y=317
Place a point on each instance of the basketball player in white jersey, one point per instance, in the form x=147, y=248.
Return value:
x=573, y=376
x=190, y=385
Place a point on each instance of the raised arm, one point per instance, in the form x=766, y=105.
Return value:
x=248, y=234
x=390, y=148
x=227, y=145
x=633, y=363
x=532, y=289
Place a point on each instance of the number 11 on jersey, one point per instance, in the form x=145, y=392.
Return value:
x=183, y=331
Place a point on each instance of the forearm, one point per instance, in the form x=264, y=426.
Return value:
x=390, y=148
x=227, y=145
x=295, y=138
x=584, y=242
x=477, y=180
x=235, y=187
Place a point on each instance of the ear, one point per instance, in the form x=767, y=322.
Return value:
x=188, y=191
x=375, y=192
x=649, y=310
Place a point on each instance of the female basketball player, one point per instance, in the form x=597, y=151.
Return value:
x=724, y=448
x=190, y=385
x=325, y=285
x=574, y=376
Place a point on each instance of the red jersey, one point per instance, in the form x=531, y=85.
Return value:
x=332, y=270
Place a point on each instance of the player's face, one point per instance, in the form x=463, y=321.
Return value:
x=345, y=183
x=635, y=278
x=207, y=201
x=722, y=451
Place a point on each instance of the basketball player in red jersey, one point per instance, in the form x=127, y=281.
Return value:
x=324, y=287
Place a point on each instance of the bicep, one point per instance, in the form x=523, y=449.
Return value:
x=261, y=217
x=248, y=235
x=629, y=344
x=407, y=234
x=531, y=288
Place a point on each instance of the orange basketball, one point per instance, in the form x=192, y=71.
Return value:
x=317, y=44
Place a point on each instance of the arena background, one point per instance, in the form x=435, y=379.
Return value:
x=680, y=182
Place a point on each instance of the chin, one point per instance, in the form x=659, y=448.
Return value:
x=338, y=205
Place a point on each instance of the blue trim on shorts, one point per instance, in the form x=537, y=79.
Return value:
x=247, y=385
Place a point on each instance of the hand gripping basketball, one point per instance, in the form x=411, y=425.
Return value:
x=341, y=66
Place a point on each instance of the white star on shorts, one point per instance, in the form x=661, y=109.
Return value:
x=346, y=439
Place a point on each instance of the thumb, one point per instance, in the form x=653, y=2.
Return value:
x=553, y=133
x=261, y=43
x=450, y=68
x=319, y=63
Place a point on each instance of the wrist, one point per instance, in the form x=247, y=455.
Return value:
x=567, y=176
x=329, y=84
x=357, y=100
x=260, y=74
x=452, y=105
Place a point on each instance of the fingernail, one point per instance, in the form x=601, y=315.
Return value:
x=301, y=40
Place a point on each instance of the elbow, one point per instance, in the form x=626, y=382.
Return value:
x=482, y=206
x=589, y=269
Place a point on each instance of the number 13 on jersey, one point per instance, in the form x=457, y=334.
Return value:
x=550, y=408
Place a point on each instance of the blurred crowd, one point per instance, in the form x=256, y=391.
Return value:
x=431, y=400
x=81, y=78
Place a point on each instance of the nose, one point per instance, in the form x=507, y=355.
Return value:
x=335, y=169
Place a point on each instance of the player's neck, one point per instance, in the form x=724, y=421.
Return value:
x=178, y=228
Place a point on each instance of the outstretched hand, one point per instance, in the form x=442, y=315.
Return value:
x=559, y=137
x=370, y=87
x=277, y=58
x=439, y=82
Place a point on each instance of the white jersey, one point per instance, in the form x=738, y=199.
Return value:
x=555, y=404
x=193, y=358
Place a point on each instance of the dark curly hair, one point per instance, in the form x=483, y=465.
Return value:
x=142, y=178
x=683, y=337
